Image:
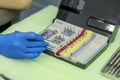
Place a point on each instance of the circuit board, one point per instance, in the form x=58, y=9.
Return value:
x=73, y=43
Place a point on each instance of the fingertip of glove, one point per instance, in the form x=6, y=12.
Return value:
x=32, y=55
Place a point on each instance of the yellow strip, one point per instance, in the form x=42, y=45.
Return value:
x=81, y=41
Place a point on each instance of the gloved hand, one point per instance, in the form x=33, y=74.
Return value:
x=22, y=45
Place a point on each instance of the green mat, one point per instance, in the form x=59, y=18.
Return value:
x=46, y=67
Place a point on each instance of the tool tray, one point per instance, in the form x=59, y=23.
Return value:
x=82, y=30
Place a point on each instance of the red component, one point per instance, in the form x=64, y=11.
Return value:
x=60, y=50
x=70, y=43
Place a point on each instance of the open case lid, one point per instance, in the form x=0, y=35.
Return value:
x=100, y=16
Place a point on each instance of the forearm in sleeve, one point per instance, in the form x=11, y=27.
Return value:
x=15, y=4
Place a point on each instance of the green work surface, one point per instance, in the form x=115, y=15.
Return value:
x=46, y=67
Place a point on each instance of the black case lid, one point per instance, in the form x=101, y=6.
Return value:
x=95, y=15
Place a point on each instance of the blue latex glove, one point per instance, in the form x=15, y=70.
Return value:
x=22, y=45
